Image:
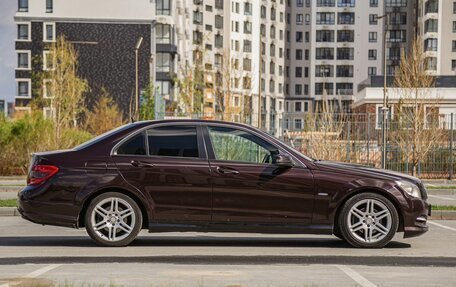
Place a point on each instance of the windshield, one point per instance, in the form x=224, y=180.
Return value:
x=103, y=136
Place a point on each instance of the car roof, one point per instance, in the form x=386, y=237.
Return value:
x=148, y=122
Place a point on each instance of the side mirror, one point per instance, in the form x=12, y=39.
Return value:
x=283, y=160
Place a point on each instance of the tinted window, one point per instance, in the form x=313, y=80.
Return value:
x=135, y=145
x=237, y=145
x=178, y=141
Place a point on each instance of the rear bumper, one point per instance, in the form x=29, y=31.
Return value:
x=44, y=212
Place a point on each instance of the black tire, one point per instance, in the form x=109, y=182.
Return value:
x=343, y=221
x=134, y=218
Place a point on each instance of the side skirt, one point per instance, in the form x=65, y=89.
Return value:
x=240, y=227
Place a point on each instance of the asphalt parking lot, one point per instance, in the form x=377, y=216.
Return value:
x=32, y=255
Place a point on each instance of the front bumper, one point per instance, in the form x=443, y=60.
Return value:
x=415, y=218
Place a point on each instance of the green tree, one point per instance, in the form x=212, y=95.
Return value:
x=105, y=115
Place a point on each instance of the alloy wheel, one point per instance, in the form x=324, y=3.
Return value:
x=369, y=220
x=113, y=219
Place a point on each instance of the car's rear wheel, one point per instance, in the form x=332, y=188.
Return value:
x=113, y=219
x=368, y=220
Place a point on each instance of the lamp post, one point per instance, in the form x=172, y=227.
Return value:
x=138, y=45
x=385, y=99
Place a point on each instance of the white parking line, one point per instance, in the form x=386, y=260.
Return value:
x=441, y=197
x=33, y=274
x=358, y=278
x=442, y=226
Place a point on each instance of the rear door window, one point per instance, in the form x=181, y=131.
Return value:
x=134, y=146
x=174, y=141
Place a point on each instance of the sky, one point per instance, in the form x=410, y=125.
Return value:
x=7, y=53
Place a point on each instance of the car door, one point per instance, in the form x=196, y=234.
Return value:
x=248, y=186
x=168, y=163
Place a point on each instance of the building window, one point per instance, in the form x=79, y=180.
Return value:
x=23, y=6
x=431, y=25
x=219, y=4
x=324, y=71
x=345, y=53
x=432, y=63
x=373, y=3
x=325, y=36
x=396, y=3
x=219, y=41
x=247, y=27
x=47, y=89
x=197, y=17
x=398, y=18
x=372, y=37
x=23, y=88
x=324, y=54
x=23, y=32
x=346, y=36
x=371, y=71
x=453, y=65
x=430, y=44
x=299, y=19
x=299, y=37
x=49, y=32
x=163, y=7
x=247, y=8
x=325, y=18
x=299, y=3
x=208, y=8
x=453, y=46
x=454, y=26
x=163, y=33
x=379, y=115
x=346, y=18
x=320, y=87
x=326, y=3
x=218, y=22
x=164, y=88
x=345, y=71
x=49, y=6
x=298, y=54
x=372, y=54
x=298, y=72
x=23, y=60
x=396, y=36
x=454, y=7
x=298, y=107
x=164, y=62
x=298, y=124
x=346, y=3
x=298, y=89
x=247, y=46
x=48, y=61
x=373, y=19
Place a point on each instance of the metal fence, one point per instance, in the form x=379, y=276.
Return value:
x=357, y=138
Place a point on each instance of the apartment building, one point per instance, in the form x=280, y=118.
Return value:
x=103, y=32
x=437, y=28
x=241, y=45
x=333, y=45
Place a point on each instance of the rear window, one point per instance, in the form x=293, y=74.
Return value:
x=134, y=146
x=176, y=141
x=104, y=136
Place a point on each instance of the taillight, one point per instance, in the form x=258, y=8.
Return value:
x=40, y=173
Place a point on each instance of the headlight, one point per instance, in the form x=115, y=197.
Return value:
x=410, y=188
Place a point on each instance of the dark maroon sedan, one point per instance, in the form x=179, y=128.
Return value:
x=205, y=176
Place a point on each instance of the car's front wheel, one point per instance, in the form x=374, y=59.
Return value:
x=368, y=220
x=113, y=219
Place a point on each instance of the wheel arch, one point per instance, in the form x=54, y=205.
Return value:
x=379, y=191
x=88, y=200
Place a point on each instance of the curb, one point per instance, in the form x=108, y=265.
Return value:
x=9, y=211
x=443, y=215
x=11, y=188
x=441, y=191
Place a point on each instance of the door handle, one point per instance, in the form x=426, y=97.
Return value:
x=139, y=163
x=224, y=170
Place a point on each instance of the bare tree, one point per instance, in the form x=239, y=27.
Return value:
x=323, y=134
x=416, y=130
x=67, y=88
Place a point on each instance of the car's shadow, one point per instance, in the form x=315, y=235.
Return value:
x=198, y=241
